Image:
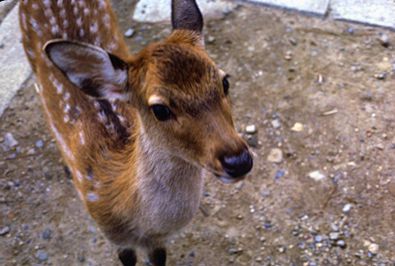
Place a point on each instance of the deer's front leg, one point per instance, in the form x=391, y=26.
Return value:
x=157, y=257
x=127, y=257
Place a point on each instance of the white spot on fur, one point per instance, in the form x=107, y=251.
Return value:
x=81, y=33
x=79, y=22
x=75, y=10
x=94, y=27
x=66, y=96
x=65, y=23
x=107, y=21
x=47, y=3
x=86, y=11
x=66, y=108
x=60, y=3
x=62, y=14
x=78, y=175
x=92, y=197
x=66, y=118
x=36, y=27
x=82, y=137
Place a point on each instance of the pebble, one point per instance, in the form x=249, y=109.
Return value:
x=373, y=248
x=298, y=127
x=279, y=173
x=318, y=238
x=276, y=124
x=275, y=156
x=4, y=230
x=129, y=33
x=380, y=76
x=288, y=56
x=235, y=250
x=250, y=129
x=210, y=39
x=347, y=208
x=341, y=243
x=252, y=140
x=334, y=236
x=39, y=143
x=384, y=40
x=9, y=140
x=47, y=234
x=42, y=255
x=316, y=175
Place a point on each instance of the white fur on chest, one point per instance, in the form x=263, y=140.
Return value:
x=170, y=191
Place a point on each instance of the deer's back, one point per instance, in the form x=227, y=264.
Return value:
x=89, y=132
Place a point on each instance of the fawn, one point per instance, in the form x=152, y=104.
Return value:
x=138, y=132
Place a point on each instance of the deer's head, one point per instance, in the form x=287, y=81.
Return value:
x=181, y=96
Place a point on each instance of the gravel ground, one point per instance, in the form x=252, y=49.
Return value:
x=314, y=98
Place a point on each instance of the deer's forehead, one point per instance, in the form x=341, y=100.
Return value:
x=183, y=68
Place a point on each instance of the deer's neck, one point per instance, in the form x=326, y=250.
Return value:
x=169, y=187
x=160, y=166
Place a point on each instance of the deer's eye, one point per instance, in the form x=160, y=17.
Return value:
x=225, y=84
x=161, y=112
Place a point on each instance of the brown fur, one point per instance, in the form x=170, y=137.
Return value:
x=127, y=160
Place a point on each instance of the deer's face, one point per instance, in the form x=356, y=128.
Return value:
x=181, y=96
x=186, y=110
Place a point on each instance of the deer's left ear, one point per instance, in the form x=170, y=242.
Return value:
x=185, y=14
x=90, y=68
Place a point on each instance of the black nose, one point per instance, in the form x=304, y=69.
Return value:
x=237, y=165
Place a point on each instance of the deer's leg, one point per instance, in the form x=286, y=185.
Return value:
x=127, y=257
x=157, y=257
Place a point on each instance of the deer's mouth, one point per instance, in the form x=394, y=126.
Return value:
x=228, y=179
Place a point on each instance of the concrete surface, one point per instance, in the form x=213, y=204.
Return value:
x=159, y=10
x=319, y=7
x=377, y=12
x=14, y=68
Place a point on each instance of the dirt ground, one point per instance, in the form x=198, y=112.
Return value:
x=326, y=198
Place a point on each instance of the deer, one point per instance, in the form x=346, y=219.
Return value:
x=139, y=132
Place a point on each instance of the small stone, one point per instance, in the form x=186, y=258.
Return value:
x=47, y=234
x=252, y=140
x=316, y=175
x=250, y=129
x=281, y=249
x=334, y=235
x=288, y=56
x=42, y=255
x=39, y=143
x=341, y=243
x=258, y=259
x=318, y=238
x=9, y=140
x=279, y=173
x=298, y=127
x=384, y=40
x=210, y=39
x=4, y=230
x=275, y=156
x=373, y=248
x=380, y=76
x=276, y=124
x=232, y=251
x=347, y=208
x=129, y=33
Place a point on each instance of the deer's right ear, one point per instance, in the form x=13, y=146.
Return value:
x=90, y=68
x=185, y=14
